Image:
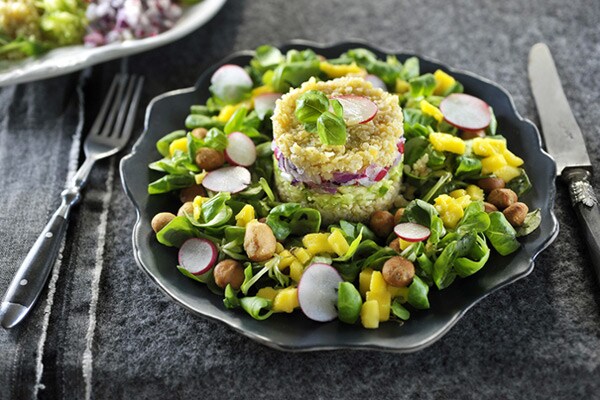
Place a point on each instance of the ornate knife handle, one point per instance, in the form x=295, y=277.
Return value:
x=586, y=205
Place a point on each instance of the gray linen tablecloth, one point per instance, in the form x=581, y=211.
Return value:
x=103, y=330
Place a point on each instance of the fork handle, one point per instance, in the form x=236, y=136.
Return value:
x=30, y=279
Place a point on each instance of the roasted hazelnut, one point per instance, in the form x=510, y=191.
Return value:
x=398, y=215
x=489, y=184
x=160, y=220
x=502, y=198
x=382, y=223
x=489, y=207
x=229, y=272
x=259, y=241
x=466, y=135
x=190, y=193
x=199, y=133
x=209, y=159
x=187, y=207
x=395, y=245
x=263, y=220
x=398, y=271
x=515, y=213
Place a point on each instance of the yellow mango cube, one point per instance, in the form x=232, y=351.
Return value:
x=279, y=248
x=296, y=270
x=512, y=159
x=402, y=86
x=317, y=243
x=369, y=314
x=401, y=292
x=267, y=293
x=446, y=142
x=464, y=201
x=458, y=193
x=338, y=242
x=377, y=284
x=200, y=177
x=364, y=281
x=337, y=71
x=227, y=111
x=507, y=173
x=404, y=243
x=245, y=215
x=178, y=144
x=197, y=206
x=429, y=109
x=301, y=254
x=450, y=210
x=475, y=192
x=286, y=300
x=485, y=147
x=493, y=163
x=384, y=301
x=261, y=90
x=443, y=82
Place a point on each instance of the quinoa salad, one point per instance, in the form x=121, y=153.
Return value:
x=339, y=189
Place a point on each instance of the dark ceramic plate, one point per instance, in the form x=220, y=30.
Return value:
x=295, y=332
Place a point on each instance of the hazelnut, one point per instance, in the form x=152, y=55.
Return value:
x=209, y=159
x=190, y=193
x=398, y=215
x=229, y=272
x=259, y=241
x=466, y=135
x=199, y=133
x=398, y=271
x=395, y=245
x=515, y=213
x=489, y=207
x=382, y=223
x=489, y=184
x=502, y=198
x=160, y=220
x=187, y=207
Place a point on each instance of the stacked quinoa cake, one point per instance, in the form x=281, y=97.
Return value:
x=348, y=181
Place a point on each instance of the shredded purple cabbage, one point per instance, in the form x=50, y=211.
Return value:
x=117, y=20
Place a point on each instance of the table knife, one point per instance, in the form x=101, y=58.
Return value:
x=564, y=141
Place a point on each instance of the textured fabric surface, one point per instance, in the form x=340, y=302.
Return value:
x=103, y=330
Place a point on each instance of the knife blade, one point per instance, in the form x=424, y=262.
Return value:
x=565, y=143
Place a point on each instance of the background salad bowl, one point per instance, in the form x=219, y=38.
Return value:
x=293, y=332
x=63, y=60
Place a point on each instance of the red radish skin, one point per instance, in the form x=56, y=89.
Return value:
x=229, y=82
x=357, y=109
x=197, y=255
x=466, y=112
x=227, y=179
x=264, y=103
x=317, y=292
x=412, y=232
x=376, y=81
x=240, y=150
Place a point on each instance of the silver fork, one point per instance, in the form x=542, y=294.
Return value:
x=109, y=134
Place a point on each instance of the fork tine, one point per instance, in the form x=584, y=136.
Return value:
x=115, y=107
x=128, y=127
x=104, y=109
x=118, y=126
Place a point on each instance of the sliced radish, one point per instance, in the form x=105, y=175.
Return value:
x=264, y=103
x=376, y=81
x=412, y=232
x=197, y=256
x=317, y=292
x=240, y=150
x=230, y=82
x=227, y=179
x=466, y=112
x=357, y=109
